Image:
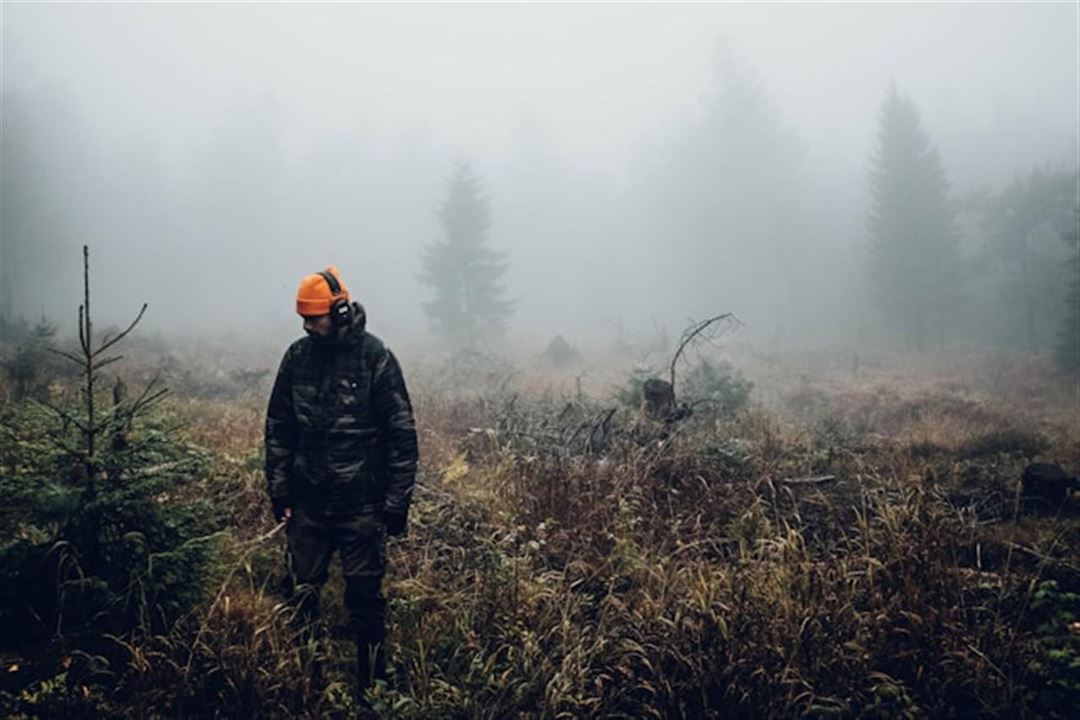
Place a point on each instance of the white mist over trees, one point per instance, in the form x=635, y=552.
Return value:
x=915, y=265
x=47, y=175
x=469, y=307
x=725, y=193
x=1068, y=346
x=1024, y=257
x=644, y=174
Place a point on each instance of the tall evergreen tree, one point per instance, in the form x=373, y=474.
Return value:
x=913, y=242
x=464, y=273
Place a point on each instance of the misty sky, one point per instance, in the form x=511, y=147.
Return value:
x=561, y=101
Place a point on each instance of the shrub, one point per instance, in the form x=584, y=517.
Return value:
x=630, y=392
x=32, y=367
x=1056, y=669
x=127, y=550
x=719, y=384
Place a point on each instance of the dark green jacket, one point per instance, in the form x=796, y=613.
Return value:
x=340, y=432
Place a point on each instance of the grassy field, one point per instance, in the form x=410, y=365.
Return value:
x=851, y=542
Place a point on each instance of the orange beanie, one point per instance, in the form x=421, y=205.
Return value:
x=315, y=296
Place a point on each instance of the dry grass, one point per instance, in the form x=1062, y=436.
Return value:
x=667, y=573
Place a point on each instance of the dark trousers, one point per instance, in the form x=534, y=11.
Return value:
x=360, y=539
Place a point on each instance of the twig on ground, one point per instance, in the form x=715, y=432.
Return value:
x=816, y=480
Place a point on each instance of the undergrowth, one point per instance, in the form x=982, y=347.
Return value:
x=850, y=558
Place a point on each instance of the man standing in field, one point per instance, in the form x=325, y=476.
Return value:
x=341, y=457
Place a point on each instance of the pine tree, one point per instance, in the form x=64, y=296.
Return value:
x=104, y=528
x=913, y=242
x=469, y=305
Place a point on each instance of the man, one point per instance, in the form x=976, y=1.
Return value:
x=341, y=458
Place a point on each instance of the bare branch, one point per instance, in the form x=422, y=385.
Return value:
x=1042, y=556
x=141, y=403
x=601, y=426
x=270, y=533
x=691, y=332
x=817, y=480
x=118, y=338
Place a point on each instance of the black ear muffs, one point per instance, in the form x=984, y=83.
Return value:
x=340, y=310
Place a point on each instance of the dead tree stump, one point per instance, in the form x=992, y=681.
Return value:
x=657, y=399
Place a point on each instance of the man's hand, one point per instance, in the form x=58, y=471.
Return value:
x=282, y=508
x=395, y=523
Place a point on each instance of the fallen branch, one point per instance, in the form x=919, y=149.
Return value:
x=816, y=480
x=1032, y=552
x=270, y=533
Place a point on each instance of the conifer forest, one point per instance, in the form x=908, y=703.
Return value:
x=739, y=344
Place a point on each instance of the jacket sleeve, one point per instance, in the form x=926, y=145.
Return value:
x=281, y=432
x=395, y=416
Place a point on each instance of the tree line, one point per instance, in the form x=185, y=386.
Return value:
x=1024, y=259
x=1020, y=277
x=725, y=213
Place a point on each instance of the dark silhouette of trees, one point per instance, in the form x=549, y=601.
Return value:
x=469, y=304
x=32, y=367
x=913, y=242
x=1023, y=226
x=1068, y=349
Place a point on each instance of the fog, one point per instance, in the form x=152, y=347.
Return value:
x=643, y=163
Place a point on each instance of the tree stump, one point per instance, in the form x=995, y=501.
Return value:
x=657, y=399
